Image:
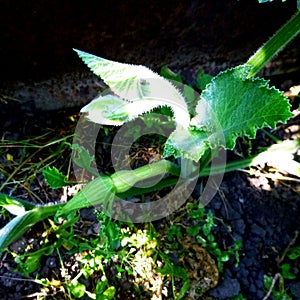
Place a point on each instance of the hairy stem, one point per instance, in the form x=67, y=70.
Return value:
x=274, y=45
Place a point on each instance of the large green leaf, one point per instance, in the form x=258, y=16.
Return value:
x=135, y=83
x=239, y=106
x=231, y=106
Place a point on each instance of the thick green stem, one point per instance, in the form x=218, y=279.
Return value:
x=168, y=182
x=279, y=149
x=125, y=180
x=275, y=44
x=102, y=189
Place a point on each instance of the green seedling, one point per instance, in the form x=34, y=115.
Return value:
x=233, y=104
x=200, y=228
x=204, y=235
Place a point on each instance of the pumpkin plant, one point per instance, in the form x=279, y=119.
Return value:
x=233, y=104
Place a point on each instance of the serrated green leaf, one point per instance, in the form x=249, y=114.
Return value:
x=135, y=83
x=55, y=178
x=127, y=81
x=239, y=106
x=231, y=106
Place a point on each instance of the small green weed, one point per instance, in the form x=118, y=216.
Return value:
x=138, y=253
x=191, y=231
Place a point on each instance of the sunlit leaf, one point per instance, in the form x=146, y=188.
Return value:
x=77, y=289
x=186, y=143
x=138, y=83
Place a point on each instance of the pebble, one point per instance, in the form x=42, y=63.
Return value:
x=260, y=294
x=252, y=288
x=51, y=262
x=257, y=230
x=239, y=226
x=226, y=289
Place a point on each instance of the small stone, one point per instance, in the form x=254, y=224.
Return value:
x=243, y=273
x=244, y=281
x=238, y=226
x=260, y=294
x=51, y=263
x=260, y=281
x=248, y=261
x=252, y=288
x=257, y=230
x=19, y=245
x=226, y=289
x=230, y=213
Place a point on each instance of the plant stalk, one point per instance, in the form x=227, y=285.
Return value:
x=126, y=179
x=274, y=45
